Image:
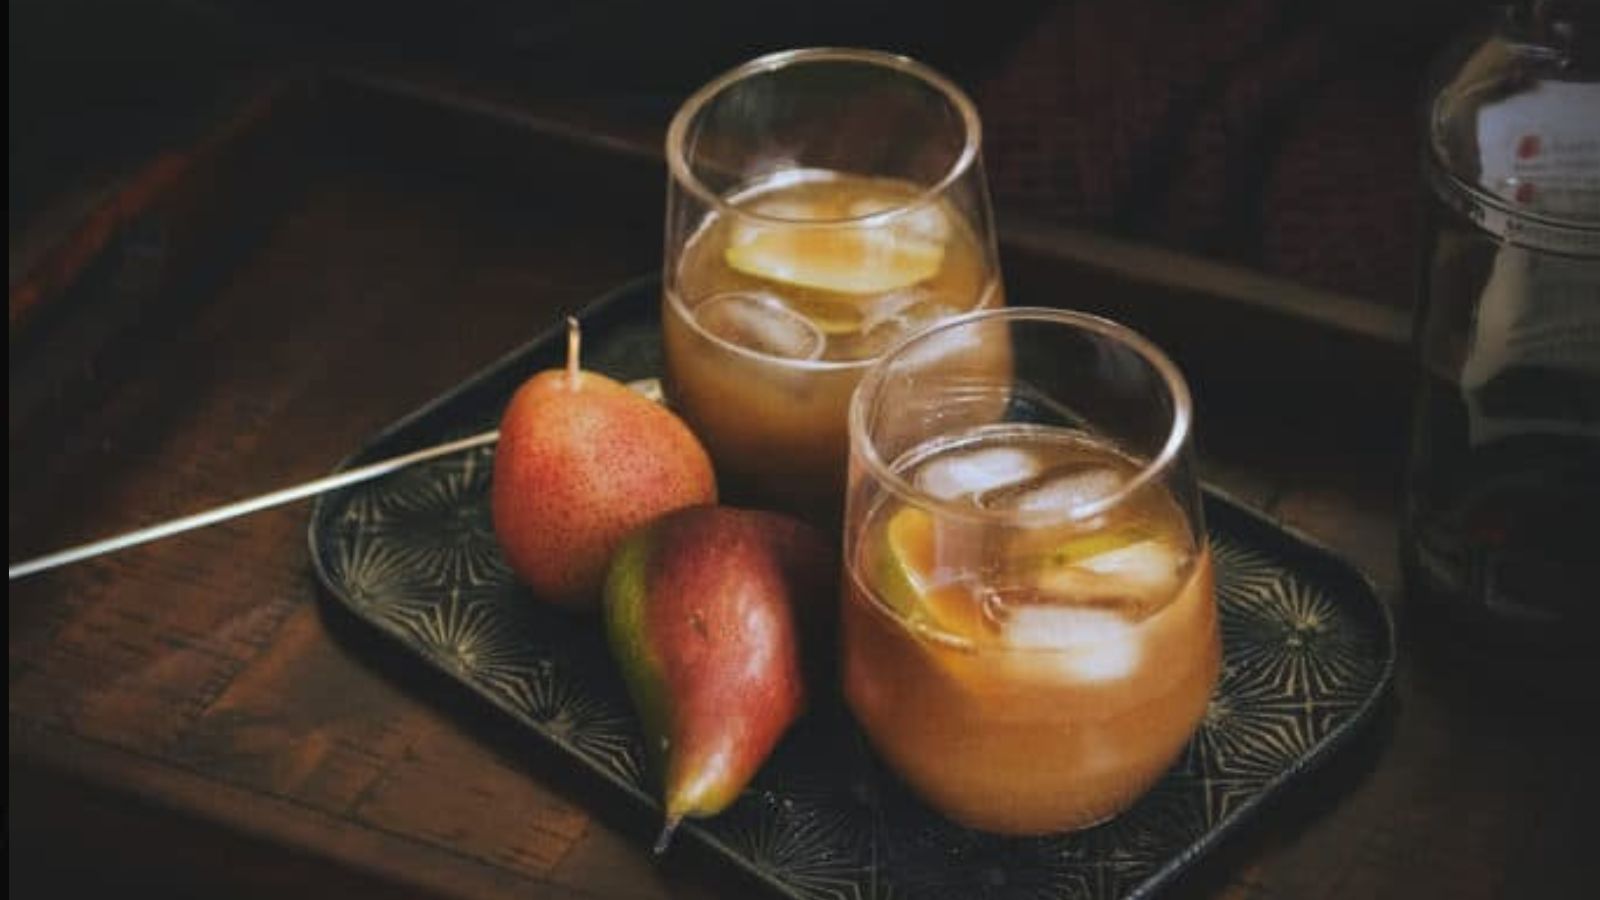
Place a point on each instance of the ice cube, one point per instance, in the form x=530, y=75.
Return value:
x=747, y=231
x=1050, y=626
x=1150, y=563
x=1081, y=643
x=1141, y=575
x=957, y=475
x=789, y=209
x=761, y=323
x=1063, y=489
x=893, y=306
x=783, y=209
x=926, y=222
x=890, y=319
x=909, y=310
x=867, y=206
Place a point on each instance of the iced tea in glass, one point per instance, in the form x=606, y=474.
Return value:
x=822, y=205
x=1029, y=631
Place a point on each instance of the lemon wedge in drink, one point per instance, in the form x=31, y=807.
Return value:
x=905, y=578
x=844, y=259
x=1087, y=546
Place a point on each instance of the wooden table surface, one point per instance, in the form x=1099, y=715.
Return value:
x=192, y=716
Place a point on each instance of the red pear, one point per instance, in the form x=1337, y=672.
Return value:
x=583, y=460
x=703, y=611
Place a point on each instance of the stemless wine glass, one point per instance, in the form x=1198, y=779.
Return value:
x=1029, y=635
x=822, y=204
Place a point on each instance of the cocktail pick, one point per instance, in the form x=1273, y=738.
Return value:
x=244, y=507
x=649, y=387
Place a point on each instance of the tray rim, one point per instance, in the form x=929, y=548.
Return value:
x=1159, y=879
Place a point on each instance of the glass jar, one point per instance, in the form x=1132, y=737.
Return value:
x=1502, y=514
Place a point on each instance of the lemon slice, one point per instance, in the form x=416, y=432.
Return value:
x=1087, y=546
x=906, y=578
x=907, y=561
x=844, y=260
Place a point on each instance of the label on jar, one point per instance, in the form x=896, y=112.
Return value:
x=1533, y=363
x=1539, y=158
x=1540, y=149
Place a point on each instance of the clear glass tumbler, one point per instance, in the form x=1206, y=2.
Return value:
x=822, y=204
x=1029, y=635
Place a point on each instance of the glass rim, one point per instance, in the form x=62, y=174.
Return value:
x=1178, y=432
x=1588, y=228
x=972, y=139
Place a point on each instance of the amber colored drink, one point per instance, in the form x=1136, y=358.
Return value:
x=780, y=300
x=1028, y=678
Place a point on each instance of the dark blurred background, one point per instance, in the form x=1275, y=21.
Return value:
x=1279, y=134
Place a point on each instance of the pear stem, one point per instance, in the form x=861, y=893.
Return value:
x=574, y=341
x=669, y=828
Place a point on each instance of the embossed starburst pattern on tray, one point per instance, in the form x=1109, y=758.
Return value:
x=1308, y=650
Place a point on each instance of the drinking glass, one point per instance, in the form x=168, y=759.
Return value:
x=822, y=204
x=1029, y=635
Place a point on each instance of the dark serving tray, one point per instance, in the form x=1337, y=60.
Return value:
x=1308, y=652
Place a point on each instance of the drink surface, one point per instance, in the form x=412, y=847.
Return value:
x=1026, y=669
x=774, y=312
